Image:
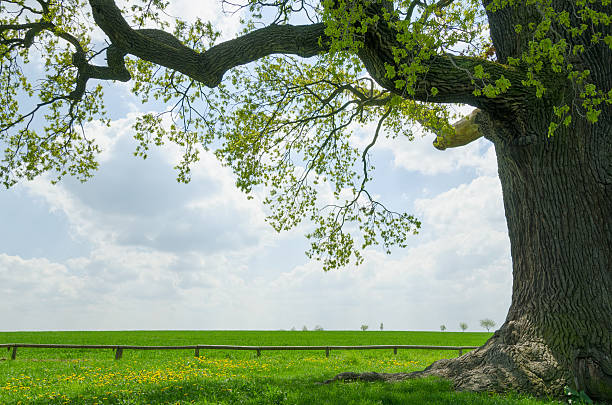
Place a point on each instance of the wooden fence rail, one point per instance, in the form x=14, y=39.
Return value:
x=120, y=348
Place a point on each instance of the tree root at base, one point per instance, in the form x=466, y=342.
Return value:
x=498, y=366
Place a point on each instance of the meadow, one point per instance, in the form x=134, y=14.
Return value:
x=86, y=376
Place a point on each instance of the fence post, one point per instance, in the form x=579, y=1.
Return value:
x=197, y=352
x=258, y=352
x=14, y=354
x=118, y=353
x=460, y=352
x=395, y=350
x=327, y=351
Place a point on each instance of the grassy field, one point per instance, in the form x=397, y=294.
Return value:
x=80, y=376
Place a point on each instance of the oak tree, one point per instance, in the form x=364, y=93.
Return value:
x=278, y=104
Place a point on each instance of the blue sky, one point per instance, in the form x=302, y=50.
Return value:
x=133, y=249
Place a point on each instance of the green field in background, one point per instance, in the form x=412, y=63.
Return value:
x=86, y=376
x=251, y=338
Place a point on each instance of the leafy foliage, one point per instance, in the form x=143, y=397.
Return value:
x=559, y=38
x=286, y=125
x=61, y=146
x=577, y=397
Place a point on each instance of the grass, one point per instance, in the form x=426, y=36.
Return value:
x=80, y=376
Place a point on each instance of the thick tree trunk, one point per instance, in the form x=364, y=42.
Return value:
x=558, y=204
x=558, y=332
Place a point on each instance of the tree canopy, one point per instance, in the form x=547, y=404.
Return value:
x=285, y=122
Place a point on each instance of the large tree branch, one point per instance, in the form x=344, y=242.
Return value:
x=452, y=76
x=207, y=67
x=446, y=78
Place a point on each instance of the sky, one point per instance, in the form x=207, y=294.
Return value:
x=132, y=249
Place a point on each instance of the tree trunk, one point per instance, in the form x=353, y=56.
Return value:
x=558, y=203
x=558, y=332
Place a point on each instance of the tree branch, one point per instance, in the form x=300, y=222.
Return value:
x=451, y=75
x=464, y=131
x=208, y=67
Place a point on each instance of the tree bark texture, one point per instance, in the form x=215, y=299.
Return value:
x=558, y=203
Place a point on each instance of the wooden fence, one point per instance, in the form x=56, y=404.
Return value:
x=120, y=348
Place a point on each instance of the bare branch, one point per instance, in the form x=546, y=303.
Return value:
x=208, y=67
x=464, y=131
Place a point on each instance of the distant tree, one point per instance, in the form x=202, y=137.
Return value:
x=463, y=326
x=487, y=323
x=293, y=328
x=318, y=328
x=304, y=328
x=381, y=326
x=364, y=327
x=442, y=328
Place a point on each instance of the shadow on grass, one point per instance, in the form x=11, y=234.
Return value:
x=297, y=391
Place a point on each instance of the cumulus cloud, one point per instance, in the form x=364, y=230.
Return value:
x=200, y=256
x=458, y=270
x=227, y=23
x=139, y=203
x=447, y=276
x=419, y=156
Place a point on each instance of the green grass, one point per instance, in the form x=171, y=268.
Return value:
x=80, y=376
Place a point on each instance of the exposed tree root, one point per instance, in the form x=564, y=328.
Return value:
x=503, y=365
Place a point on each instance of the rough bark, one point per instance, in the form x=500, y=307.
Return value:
x=450, y=74
x=207, y=67
x=558, y=203
x=558, y=332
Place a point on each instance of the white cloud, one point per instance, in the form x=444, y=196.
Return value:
x=171, y=256
x=458, y=270
x=419, y=155
x=139, y=203
x=207, y=10
x=165, y=255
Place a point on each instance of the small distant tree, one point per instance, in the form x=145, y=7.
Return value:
x=442, y=328
x=463, y=326
x=381, y=326
x=364, y=327
x=304, y=328
x=487, y=323
x=293, y=329
x=318, y=328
